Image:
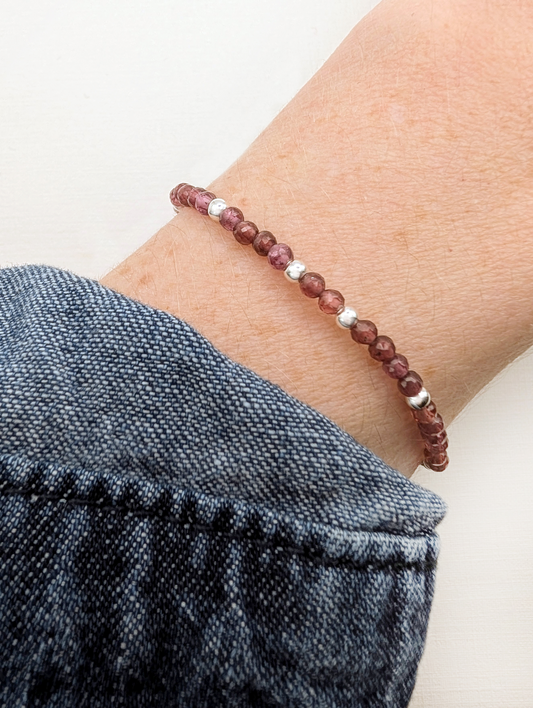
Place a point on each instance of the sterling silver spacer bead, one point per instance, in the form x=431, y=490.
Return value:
x=294, y=271
x=346, y=318
x=215, y=208
x=421, y=400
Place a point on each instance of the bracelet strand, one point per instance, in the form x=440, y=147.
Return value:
x=380, y=347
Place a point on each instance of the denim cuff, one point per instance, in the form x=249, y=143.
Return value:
x=177, y=531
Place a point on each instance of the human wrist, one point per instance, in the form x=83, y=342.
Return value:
x=328, y=179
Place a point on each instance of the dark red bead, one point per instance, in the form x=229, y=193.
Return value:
x=279, y=256
x=203, y=200
x=411, y=384
x=437, y=468
x=382, y=348
x=426, y=414
x=193, y=193
x=397, y=367
x=312, y=284
x=437, y=447
x=230, y=217
x=263, y=242
x=434, y=438
x=174, y=198
x=437, y=458
x=245, y=232
x=331, y=301
x=437, y=463
x=183, y=194
x=436, y=426
x=364, y=332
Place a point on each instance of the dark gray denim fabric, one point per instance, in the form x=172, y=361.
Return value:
x=177, y=531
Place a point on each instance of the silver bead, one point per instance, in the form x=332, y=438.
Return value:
x=215, y=208
x=294, y=271
x=346, y=318
x=421, y=400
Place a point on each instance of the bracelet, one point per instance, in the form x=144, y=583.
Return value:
x=380, y=347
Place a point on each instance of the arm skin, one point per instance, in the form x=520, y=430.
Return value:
x=403, y=173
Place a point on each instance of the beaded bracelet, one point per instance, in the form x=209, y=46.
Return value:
x=380, y=347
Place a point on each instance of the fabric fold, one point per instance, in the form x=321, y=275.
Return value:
x=178, y=531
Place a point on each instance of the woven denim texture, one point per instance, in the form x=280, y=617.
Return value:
x=177, y=531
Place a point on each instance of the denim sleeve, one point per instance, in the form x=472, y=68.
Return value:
x=176, y=531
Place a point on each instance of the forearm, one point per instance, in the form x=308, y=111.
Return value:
x=401, y=172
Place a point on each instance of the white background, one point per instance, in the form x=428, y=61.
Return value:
x=104, y=106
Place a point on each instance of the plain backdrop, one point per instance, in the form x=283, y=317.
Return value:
x=106, y=105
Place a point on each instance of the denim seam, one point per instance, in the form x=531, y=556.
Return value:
x=7, y=459
x=425, y=566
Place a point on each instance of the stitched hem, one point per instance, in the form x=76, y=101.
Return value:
x=275, y=544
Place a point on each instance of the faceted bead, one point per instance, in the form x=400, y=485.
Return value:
x=203, y=200
x=330, y=301
x=193, y=193
x=437, y=458
x=263, y=242
x=230, y=217
x=312, y=284
x=183, y=194
x=245, y=232
x=436, y=467
x=174, y=198
x=439, y=468
x=279, y=255
x=438, y=447
x=433, y=455
x=425, y=415
x=436, y=426
x=397, y=367
x=410, y=384
x=364, y=332
x=434, y=438
x=382, y=348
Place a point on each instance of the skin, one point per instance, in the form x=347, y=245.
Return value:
x=402, y=172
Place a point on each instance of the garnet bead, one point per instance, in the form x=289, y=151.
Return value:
x=410, y=384
x=312, y=284
x=263, y=242
x=331, y=301
x=426, y=414
x=193, y=193
x=436, y=468
x=434, y=438
x=436, y=458
x=364, y=332
x=230, y=217
x=437, y=447
x=436, y=426
x=183, y=194
x=397, y=367
x=174, y=198
x=382, y=349
x=203, y=200
x=279, y=256
x=245, y=232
